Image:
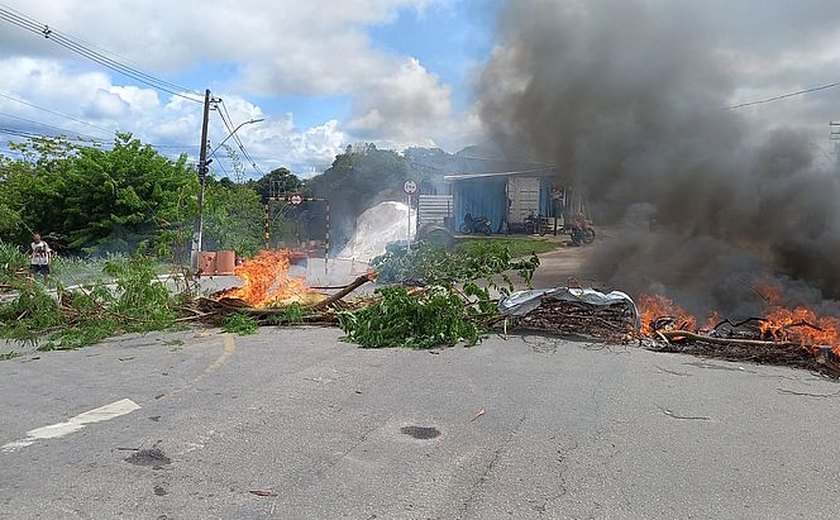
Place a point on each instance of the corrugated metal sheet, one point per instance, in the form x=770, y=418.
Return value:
x=524, y=195
x=545, y=198
x=488, y=196
x=481, y=198
x=432, y=209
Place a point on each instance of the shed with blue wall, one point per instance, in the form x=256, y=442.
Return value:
x=488, y=195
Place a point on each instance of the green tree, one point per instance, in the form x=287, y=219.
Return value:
x=358, y=179
x=90, y=197
x=276, y=183
x=233, y=217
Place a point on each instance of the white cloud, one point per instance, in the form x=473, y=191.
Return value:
x=173, y=123
x=275, y=47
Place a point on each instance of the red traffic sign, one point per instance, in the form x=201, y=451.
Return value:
x=410, y=186
x=295, y=200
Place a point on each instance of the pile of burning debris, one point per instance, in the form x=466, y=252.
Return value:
x=270, y=291
x=796, y=337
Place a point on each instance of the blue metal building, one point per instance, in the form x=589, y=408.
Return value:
x=502, y=197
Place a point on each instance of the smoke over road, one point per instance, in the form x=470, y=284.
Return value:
x=627, y=98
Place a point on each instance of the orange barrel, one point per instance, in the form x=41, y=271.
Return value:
x=207, y=263
x=225, y=262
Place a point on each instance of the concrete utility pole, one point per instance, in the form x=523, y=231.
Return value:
x=834, y=137
x=203, y=169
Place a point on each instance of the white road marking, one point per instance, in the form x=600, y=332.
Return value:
x=74, y=424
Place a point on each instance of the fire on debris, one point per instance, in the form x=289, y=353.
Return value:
x=267, y=282
x=795, y=336
x=269, y=289
x=801, y=326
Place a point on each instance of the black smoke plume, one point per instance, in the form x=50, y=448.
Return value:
x=627, y=98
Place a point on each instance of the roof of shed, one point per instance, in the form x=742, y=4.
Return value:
x=470, y=176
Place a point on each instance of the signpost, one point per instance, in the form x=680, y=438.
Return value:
x=410, y=187
x=295, y=200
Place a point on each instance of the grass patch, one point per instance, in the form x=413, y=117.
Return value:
x=74, y=318
x=518, y=247
x=9, y=355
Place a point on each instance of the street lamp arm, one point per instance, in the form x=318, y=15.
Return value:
x=240, y=125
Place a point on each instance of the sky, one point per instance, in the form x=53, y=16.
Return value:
x=328, y=73
x=321, y=74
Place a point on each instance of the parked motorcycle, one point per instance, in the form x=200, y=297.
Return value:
x=476, y=225
x=535, y=224
x=581, y=233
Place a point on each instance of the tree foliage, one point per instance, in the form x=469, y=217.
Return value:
x=92, y=200
x=86, y=196
x=233, y=217
x=276, y=183
x=437, y=317
x=358, y=179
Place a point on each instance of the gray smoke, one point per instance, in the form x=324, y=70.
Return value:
x=627, y=98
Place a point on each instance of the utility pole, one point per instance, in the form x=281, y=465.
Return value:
x=203, y=170
x=834, y=136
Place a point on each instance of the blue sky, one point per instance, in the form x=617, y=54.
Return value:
x=394, y=72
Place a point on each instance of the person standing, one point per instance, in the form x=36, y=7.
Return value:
x=40, y=257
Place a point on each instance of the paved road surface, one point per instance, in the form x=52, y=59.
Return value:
x=569, y=430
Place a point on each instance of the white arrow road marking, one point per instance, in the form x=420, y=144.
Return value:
x=74, y=424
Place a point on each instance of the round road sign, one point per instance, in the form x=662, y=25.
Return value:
x=295, y=200
x=410, y=186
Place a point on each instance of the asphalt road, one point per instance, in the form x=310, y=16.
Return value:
x=188, y=425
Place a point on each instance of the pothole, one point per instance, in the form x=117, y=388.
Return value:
x=153, y=457
x=422, y=433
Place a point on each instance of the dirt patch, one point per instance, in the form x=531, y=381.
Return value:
x=154, y=457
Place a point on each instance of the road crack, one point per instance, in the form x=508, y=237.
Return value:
x=497, y=456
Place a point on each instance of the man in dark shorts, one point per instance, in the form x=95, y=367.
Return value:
x=40, y=257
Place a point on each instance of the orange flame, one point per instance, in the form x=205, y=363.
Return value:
x=713, y=320
x=653, y=307
x=801, y=325
x=798, y=325
x=267, y=281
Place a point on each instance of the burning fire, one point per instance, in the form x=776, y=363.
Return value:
x=798, y=325
x=267, y=281
x=801, y=325
x=654, y=307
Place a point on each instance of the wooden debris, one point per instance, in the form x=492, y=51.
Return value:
x=478, y=415
x=263, y=492
x=324, y=311
x=745, y=350
x=566, y=318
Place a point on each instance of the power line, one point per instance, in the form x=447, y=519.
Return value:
x=228, y=122
x=25, y=22
x=785, y=96
x=65, y=116
x=65, y=133
x=58, y=128
x=32, y=25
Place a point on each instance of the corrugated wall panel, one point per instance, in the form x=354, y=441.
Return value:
x=432, y=209
x=481, y=198
x=524, y=195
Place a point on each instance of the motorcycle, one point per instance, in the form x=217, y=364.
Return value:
x=581, y=233
x=534, y=224
x=476, y=225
